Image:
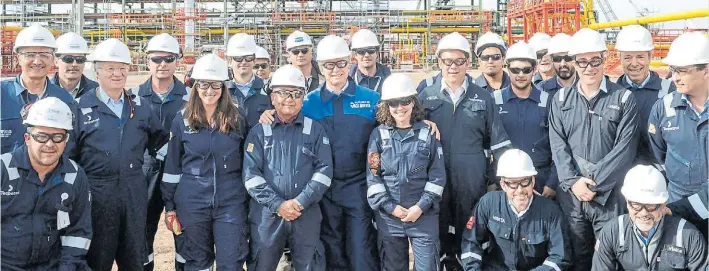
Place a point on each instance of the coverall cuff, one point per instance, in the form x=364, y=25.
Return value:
x=388, y=207
x=169, y=206
x=303, y=200
x=566, y=185
x=552, y=183
x=424, y=204
x=275, y=204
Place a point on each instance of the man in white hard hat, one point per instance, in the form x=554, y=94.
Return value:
x=469, y=128
x=645, y=238
x=490, y=50
x=524, y=111
x=262, y=64
x=299, y=46
x=540, y=42
x=45, y=195
x=635, y=45
x=592, y=130
x=34, y=47
x=516, y=229
x=70, y=59
x=678, y=122
x=114, y=129
x=246, y=88
x=564, y=70
x=166, y=95
x=367, y=72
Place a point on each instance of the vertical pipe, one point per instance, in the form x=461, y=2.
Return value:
x=80, y=14
x=189, y=24
x=123, y=18
x=226, y=25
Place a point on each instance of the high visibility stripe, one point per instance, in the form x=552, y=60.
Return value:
x=375, y=189
x=151, y=257
x=451, y=229
x=561, y=94
x=667, y=102
x=498, y=96
x=625, y=97
x=171, y=178
x=500, y=145
x=543, y=98
x=471, y=255
x=307, y=125
x=429, y=81
x=186, y=97
x=384, y=134
x=487, y=153
x=321, y=178
x=162, y=152
x=433, y=188
x=664, y=88
x=12, y=173
x=621, y=232
x=680, y=228
x=71, y=177
x=254, y=182
x=485, y=245
x=267, y=130
x=178, y=258
x=552, y=265
x=423, y=134
x=76, y=242
x=698, y=206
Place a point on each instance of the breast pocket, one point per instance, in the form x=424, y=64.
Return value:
x=141, y=137
x=306, y=157
x=678, y=167
x=476, y=116
x=11, y=133
x=535, y=245
x=502, y=233
x=609, y=120
x=418, y=163
x=672, y=258
x=433, y=109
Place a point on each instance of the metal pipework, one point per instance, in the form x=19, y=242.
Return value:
x=653, y=19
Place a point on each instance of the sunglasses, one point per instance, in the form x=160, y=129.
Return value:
x=161, y=59
x=331, y=65
x=70, y=59
x=594, y=62
x=514, y=185
x=299, y=51
x=639, y=206
x=494, y=57
x=399, y=102
x=558, y=59
x=260, y=66
x=284, y=94
x=457, y=61
x=525, y=70
x=206, y=85
x=364, y=51
x=44, y=137
x=242, y=58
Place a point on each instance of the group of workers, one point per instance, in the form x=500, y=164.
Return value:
x=546, y=164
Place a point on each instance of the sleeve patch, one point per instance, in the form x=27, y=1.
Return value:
x=471, y=223
x=651, y=128
x=325, y=141
x=250, y=147
x=374, y=163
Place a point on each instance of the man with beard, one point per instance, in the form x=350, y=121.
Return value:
x=645, y=239
x=247, y=89
x=367, y=72
x=300, y=54
x=516, y=229
x=540, y=42
x=564, y=71
x=70, y=59
x=490, y=49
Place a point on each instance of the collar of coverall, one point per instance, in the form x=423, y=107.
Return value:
x=417, y=126
x=603, y=86
x=326, y=95
x=482, y=81
x=18, y=81
x=298, y=120
x=534, y=95
x=146, y=88
x=21, y=159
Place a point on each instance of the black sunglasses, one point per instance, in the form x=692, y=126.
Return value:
x=525, y=70
x=594, y=62
x=242, y=58
x=514, y=185
x=494, y=57
x=401, y=101
x=70, y=59
x=558, y=59
x=639, y=206
x=299, y=51
x=364, y=51
x=206, y=85
x=260, y=66
x=44, y=137
x=161, y=59
x=457, y=61
x=285, y=94
x=332, y=65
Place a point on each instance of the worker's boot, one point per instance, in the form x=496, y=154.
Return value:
x=450, y=263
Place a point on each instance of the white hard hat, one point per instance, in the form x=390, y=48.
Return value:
x=364, y=38
x=521, y=50
x=332, y=47
x=397, y=85
x=539, y=41
x=111, y=50
x=515, y=163
x=490, y=38
x=690, y=48
x=210, y=67
x=453, y=41
x=288, y=76
x=634, y=38
x=71, y=43
x=298, y=38
x=261, y=53
x=34, y=35
x=559, y=43
x=163, y=43
x=645, y=184
x=587, y=40
x=241, y=44
x=50, y=112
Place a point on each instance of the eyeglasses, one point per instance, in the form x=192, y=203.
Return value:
x=242, y=58
x=525, y=70
x=681, y=70
x=161, y=59
x=260, y=66
x=594, y=62
x=514, y=185
x=639, y=206
x=70, y=59
x=331, y=65
x=364, y=51
x=401, y=101
x=206, y=85
x=299, y=51
x=457, y=61
x=285, y=94
x=558, y=59
x=541, y=54
x=494, y=57
x=122, y=71
x=41, y=55
x=44, y=137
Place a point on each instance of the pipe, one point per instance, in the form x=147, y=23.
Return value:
x=434, y=29
x=653, y=19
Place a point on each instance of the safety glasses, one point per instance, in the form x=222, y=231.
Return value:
x=212, y=85
x=44, y=137
x=525, y=70
x=40, y=55
x=594, y=62
x=514, y=185
x=285, y=94
x=681, y=70
x=364, y=51
x=399, y=102
x=299, y=51
x=331, y=65
x=243, y=58
x=494, y=57
x=161, y=59
x=457, y=61
x=639, y=206
x=260, y=66
x=558, y=59
x=70, y=59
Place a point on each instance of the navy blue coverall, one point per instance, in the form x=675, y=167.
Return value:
x=111, y=151
x=85, y=84
x=653, y=89
x=550, y=86
x=348, y=233
x=153, y=166
x=13, y=101
x=469, y=129
x=374, y=82
x=284, y=161
x=253, y=104
x=31, y=237
x=406, y=170
x=694, y=208
x=202, y=183
x=675, y=245
x=481, y=81
x=678, y=138
x=497, y=238
x=428, y=81
x=527, y=124
x=595, y=139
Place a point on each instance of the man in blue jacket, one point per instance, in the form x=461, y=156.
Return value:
x=70, y=59
x=367, y=72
